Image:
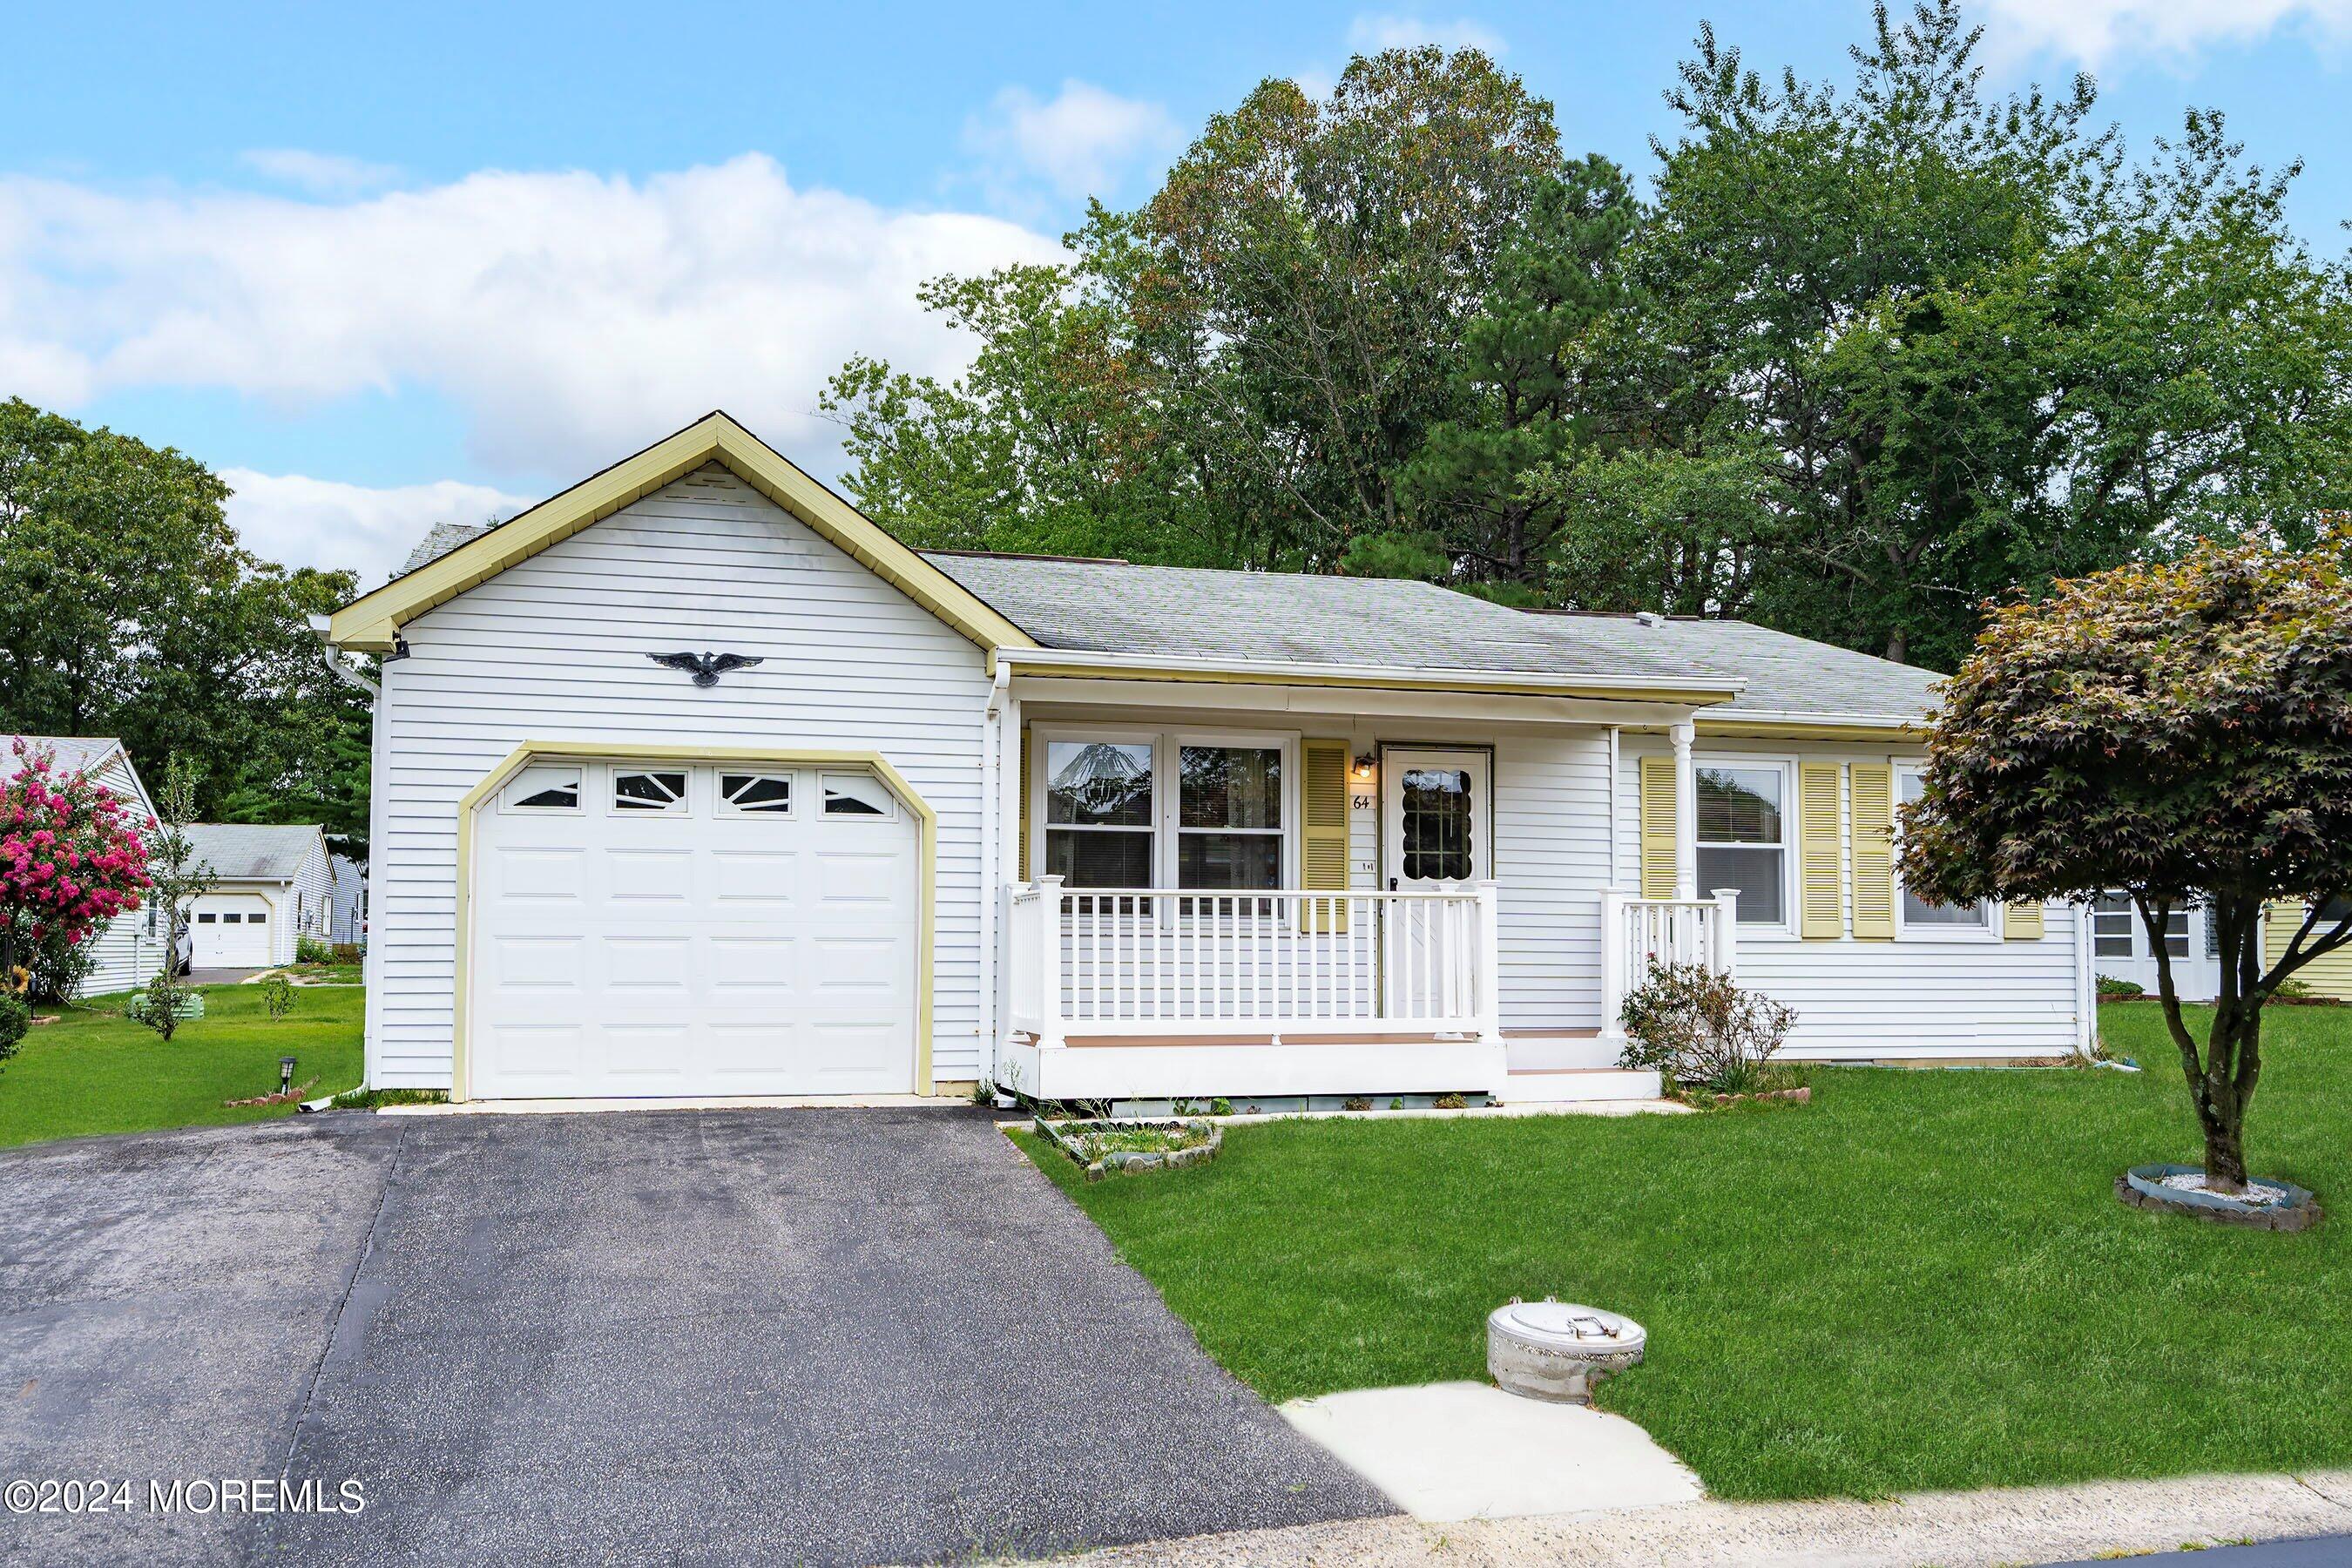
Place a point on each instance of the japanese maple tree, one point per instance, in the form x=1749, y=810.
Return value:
x=2182, y=732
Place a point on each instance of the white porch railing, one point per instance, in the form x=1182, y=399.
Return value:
x=1149, y=962
x=1638, y=934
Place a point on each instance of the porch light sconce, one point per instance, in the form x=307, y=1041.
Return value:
x=1363, y=768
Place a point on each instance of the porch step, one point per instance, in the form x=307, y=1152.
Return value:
x=1559, y=1086
x=1559, y=1053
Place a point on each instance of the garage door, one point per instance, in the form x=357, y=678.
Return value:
x=230, y=931
x=707, y=930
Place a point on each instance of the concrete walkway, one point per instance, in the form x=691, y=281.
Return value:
x=1953, y=1530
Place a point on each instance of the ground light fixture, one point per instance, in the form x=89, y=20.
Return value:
x=285, y=1074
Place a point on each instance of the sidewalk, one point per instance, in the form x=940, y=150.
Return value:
x=1952, y=1529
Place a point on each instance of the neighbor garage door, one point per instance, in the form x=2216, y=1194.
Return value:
x=230, y=931
x=705, y=930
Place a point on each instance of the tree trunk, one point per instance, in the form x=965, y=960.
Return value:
x=1898, y=647
x=2225, y=1154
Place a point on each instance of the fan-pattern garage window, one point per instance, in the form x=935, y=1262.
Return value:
x=544, y=787
x=767, y=794
x=856, y=795
x=649, y=792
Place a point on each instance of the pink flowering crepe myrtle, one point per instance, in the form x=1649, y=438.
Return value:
x=72, y=854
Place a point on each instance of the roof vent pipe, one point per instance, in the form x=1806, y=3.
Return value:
x=1650, y=617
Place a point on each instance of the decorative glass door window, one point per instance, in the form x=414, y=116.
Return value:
x=1098, y=805
x=1229, y=816
x=1740, y=838
x=1919, y=911
x=544, y=786
x=857, y=795
x=1438, y=808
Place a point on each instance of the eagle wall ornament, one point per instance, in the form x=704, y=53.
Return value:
x=706, y=668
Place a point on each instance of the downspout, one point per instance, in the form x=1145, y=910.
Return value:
x=1616, y=761
x=991, y=891
x=371, y=957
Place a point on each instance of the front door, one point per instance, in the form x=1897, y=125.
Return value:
x=1437, y=833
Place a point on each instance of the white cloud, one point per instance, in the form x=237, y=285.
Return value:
x=1370, y=34
x=2093, y=31
x=1082, y=142
x=303, y=522
x=571, y=318
x=319, y=173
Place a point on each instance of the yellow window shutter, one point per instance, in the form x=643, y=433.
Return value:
x=1873, y=787
x=1657, y=828
x=1819, y=847
x=1025, y=875
x=1323, y=835
x=2021, y=923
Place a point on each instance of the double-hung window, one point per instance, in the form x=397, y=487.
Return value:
x=1927, y=919
x=1229, y=816
x=1100, y=806
x=1742, y=836
x=1164, y=811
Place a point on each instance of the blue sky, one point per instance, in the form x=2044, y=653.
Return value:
x=385, y=265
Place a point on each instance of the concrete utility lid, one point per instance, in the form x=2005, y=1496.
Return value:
x=1567, y=1326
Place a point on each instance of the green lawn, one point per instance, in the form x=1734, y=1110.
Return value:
x=1919, y=1280
x=94, y=1070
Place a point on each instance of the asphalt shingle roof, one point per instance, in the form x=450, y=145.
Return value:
x=252, y=852
x=1115, y=606
x=1286, y=617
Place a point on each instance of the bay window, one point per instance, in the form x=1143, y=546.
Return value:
x=1127, y=810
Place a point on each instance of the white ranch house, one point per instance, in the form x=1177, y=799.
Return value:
x=272, y=884
x=1092, y=830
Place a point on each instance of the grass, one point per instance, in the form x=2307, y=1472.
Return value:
x=1920, y=1281
x=94, y=1070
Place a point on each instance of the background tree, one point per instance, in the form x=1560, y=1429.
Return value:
x=178, y=877
x=2182, y=731
x=127, y=609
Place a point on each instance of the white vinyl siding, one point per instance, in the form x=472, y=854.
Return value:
x=126, y=952
x=555, y=648
x=1926, y=996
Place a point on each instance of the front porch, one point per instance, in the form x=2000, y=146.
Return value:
x=1294, y=994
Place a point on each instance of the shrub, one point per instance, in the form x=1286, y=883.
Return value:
x=344, y=953
x=1697, y=1028
x=70, y=860
x=160, y=996
x=278, y=995
x=15, y=1020
x=313, y=949
x=2111, y=987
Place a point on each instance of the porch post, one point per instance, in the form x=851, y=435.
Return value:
x=1612, y=965
x=1726, y=931
x=1049, y=964
x=1686, y=813
x=1490, y=963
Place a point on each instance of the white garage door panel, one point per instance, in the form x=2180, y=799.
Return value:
x=229, y=930
x=702, y=952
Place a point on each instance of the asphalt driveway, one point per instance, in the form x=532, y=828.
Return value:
x=683, y=1336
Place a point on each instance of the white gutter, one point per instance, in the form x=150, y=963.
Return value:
x=1792, y=716
x=379, y=749
x=1540, y=682
x=991, y=889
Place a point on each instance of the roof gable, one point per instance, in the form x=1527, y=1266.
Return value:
x=371, y=623
x=255, y=852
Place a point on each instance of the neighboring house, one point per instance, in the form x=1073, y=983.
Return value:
x=129, y=948
x=2120, y=949
x=347, y=920
x=2328, y=976
x=1100, y=830
x=270, y=884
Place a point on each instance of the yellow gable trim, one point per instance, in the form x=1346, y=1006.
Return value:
x=369, y=624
